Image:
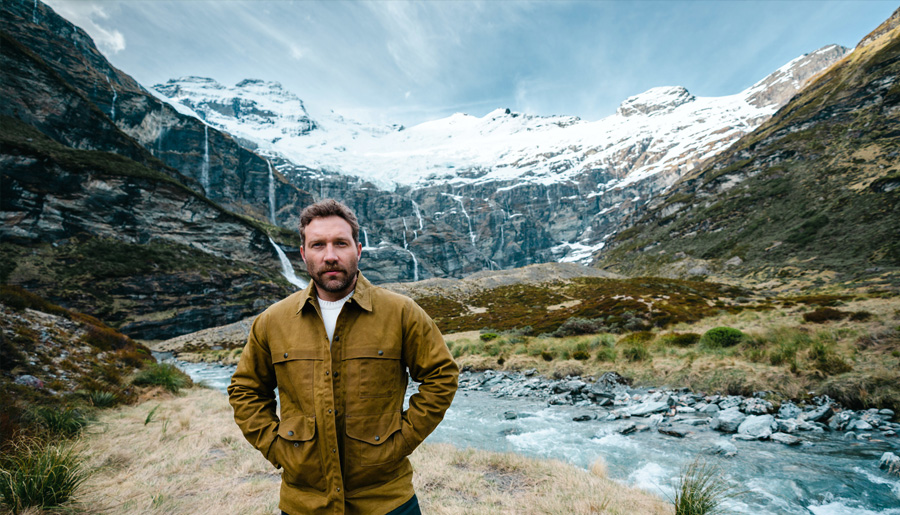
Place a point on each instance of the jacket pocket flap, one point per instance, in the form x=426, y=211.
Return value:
x=371, y=352
x=297, y=428
x=373, y=429
x=292, y=354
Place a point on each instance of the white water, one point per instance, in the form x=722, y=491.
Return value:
x=287, y=269
x=112, y=113
x=366, y=238
x=34, y=13
x=418, y=215
x=271, y=194
x=162, y=133
x=415, y=265
x=469, y=220
x=204, y=170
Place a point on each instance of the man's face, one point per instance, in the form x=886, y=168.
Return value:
x=331, y=256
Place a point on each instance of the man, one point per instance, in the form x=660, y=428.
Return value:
x=339, y=352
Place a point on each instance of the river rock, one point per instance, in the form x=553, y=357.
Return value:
x=722, y=447
x=727, y=421
x=859, y=425
x=732, y=401
x=710, y=409
x=889, y=413
x=789, y=410
x=818, y=414
x=890, y=462
x=628, y=427
x=510, y=415
x=758, y=426
x=840, y=420
x=584, y=418
x=673, y=431
x=646, y=408
x=785, y=438
x=753, y=406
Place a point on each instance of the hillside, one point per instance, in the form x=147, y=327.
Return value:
x=811, y=198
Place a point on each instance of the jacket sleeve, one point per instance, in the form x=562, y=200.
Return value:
x=252, y=391
x=430, y=363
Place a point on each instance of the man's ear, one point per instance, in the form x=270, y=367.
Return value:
x=303, y=253
x=359, y=251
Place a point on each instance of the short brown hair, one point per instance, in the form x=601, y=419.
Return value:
x=325, y=208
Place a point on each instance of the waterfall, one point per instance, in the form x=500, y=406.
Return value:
x=501, y=238
x=415, y=235
x=469, y=220
x=405, y=229
x=287, y=270
x=204, y=171
x=418, y=215
x=112, y=113
x=162, y=133
x=34, y=13
x=415, y=263
x=271, y=193
x=366, y=237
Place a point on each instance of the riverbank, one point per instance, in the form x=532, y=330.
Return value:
x=184, y=454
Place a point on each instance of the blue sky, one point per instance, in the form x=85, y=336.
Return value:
x=408, y=62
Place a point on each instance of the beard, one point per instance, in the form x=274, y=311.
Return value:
x=336, y=284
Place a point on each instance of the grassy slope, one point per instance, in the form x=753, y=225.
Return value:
x=192, y=458
x=804, y=200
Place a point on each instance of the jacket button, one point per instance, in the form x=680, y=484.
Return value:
x=296, y=444
x=285, y=354
x=337, y=338
x=290, y=433
x=380, y=353
x=377, y=438
x=329, y=411
x=333, y=450
x=338, y=489
x=327, y=372
x=337, y=374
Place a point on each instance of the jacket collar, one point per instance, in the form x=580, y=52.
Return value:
x=362, y=294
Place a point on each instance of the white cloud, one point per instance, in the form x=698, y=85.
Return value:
x=89, y=16
x=298, y=52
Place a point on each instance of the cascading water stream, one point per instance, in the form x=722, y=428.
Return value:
x=418, y=215
x=204, y=170
x=112, y=112
x=406, y=248
x=271, y=194
x=287, y=269
x=366, y=238
x=469, y=220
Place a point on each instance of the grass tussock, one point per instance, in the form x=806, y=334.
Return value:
x=193, y=459
x=165, y=375
x=701, y=489
x=42, y=475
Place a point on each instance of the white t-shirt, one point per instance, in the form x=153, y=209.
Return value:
x=330, y=312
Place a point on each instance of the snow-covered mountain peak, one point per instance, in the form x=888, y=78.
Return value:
x=655, y=100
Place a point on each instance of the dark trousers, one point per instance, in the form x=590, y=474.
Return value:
x=410, y=507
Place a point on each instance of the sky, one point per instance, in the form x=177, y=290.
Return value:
x=409, y=62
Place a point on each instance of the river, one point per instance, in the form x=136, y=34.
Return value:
x=827, y=475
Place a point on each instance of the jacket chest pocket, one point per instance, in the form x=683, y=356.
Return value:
x=295, y=371
x=373, y=372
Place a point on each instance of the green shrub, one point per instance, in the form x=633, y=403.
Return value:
x=581, y=355
x=822, y=315
x=826, y=360
x=486, y=337
x=636, y=352
x=546, y=355
x=719, y=337
x=680, y=339
x=42, y=475
x=63, y=422
x=162, y=374
x=576, y=326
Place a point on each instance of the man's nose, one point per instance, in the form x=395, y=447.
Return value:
x=330, y=254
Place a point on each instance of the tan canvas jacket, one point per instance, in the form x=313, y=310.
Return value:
x=343, y=437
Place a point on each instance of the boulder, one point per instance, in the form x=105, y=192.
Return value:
x=628, y=427
x=29, y=380
x=859, y=425
x=731, y=401
x=754, y=406
x=785, y=438
x=722, y=447
x=890, y=462
x=840, y=420
x=673, y=431
x=710, y=409
x=647, y=408
x=819, y=414
x=758, y=426
x=727, y=421
x=789, y=410
x=583, y=418
x=510, y=415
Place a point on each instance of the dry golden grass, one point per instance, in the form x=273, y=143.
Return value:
x=191, y=458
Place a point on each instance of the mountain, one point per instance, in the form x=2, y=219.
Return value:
x=463, y=194
x=812, y=197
